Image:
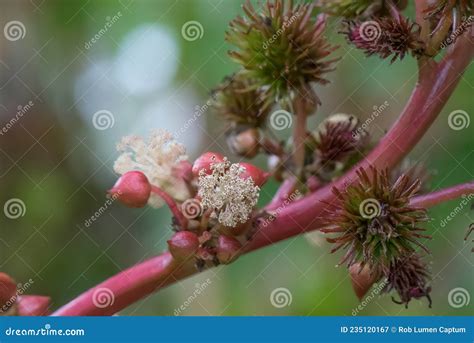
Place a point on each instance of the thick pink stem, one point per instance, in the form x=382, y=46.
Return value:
x=435, y=198
x=125, y=288
x=282, y=194
x=434, y=88
x=436, y=84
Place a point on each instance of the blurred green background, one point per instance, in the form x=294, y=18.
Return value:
x=147, y=75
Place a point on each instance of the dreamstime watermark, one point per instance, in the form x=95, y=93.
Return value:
x=280, y=120
x=103, y=120
x=459, y=120
x=192, y=30
x=465, y=24
x=198, y=112
x=281, y=297
x=370, y=31
x=21, y=111
x=110, y=21
x=466, y=198
x=88, y=222
x=375, y=291
x=14, y=30
x=14, y=208
x=198, y=290
x=103, y=297
x=370, y=208
x=191, y=208
x=377, y=110
x=20, y=290
x=280, y=31
x=274, y=213
x=459, y=297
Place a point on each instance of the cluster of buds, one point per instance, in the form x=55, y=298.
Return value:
x=14, y=303
x=210, y=225
x=374, y=222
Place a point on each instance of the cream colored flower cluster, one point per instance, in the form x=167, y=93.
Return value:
x=230, y=197
x=157, y=158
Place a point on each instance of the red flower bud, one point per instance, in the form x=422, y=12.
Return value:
x=132, y=189
x=183, y=245
x=204, y=162
x=227, y=249
x=7, y=290
x=33, y=305
x=258, y=176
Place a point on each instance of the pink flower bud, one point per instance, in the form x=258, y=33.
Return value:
x=132, y=189
x=7, y=289
x=33, y=305
x=183, y=245
x=227, y=249
x=258, y=176
x=204, y=162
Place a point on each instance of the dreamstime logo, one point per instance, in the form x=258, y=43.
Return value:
x=14, y=30
x=103, y=120
x=370, y=208
x=14, y=208
x=103, y=297
x=191, y=208
x=458, y=297
x=370, y=31
x=280, y=120
x=458, y=120
x=192, y=30
x=281, y=297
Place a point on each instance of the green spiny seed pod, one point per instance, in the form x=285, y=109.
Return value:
x=238, y=101
x=408, y=276
x=373, y=220
x=347, y=8
x=282, y=49
x=388, y=36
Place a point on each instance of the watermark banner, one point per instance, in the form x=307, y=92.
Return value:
x=229, y=329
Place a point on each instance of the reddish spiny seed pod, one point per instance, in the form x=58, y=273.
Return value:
x=183, y=245
x=227, y=249
x=204, y=162
x=7, y=289
x=258, y=176
x=132, y=189
x=33, y=305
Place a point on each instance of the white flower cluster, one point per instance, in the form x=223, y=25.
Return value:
x=231, y=198
x=156, y=158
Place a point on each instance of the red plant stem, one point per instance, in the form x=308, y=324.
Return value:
x=171, y=204
x=436, y=84
x=127, y=287
x=282, y=194
x=435, y=198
